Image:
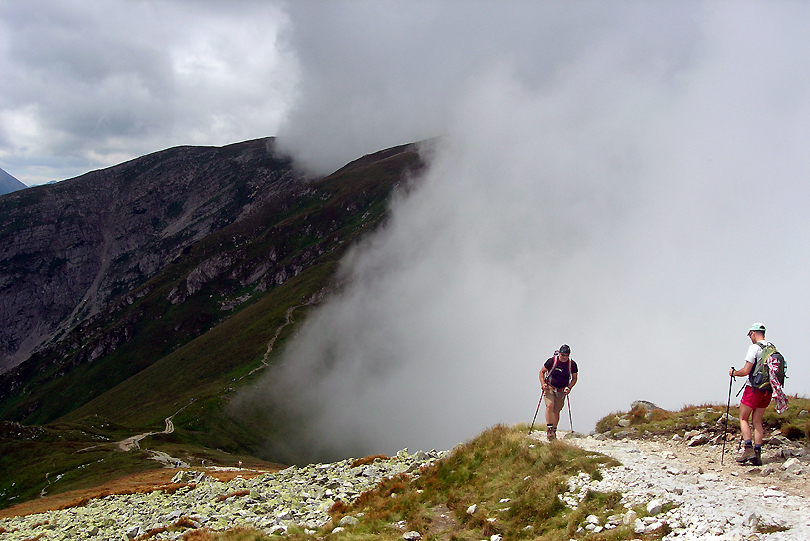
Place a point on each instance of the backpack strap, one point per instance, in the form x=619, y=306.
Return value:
x=553, y=366
x=761, y=368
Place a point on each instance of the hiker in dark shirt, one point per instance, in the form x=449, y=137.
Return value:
x=558, y=376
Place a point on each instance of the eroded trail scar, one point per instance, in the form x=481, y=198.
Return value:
x=288, y=319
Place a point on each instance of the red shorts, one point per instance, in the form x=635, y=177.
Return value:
x=755, y=399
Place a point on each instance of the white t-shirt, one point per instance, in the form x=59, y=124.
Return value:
x=754, y=351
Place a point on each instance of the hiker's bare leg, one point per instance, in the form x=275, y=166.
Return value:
x=552, y=417
x=745, y=428
x=759, y=430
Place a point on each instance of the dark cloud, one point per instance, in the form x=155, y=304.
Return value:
x=91, y=84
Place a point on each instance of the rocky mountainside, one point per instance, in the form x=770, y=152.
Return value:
x=69, y=249
x=9, y=184
x=271, y=502
x=188, y=261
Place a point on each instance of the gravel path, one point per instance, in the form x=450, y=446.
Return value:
x=709, y=501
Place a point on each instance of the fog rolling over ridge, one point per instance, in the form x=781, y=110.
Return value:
x=645, y=203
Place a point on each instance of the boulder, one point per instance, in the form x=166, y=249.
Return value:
x=134, y=531
x=649, y=406
x=654, y=507
x=700, y=439
x=792, y=465
x=767, y=470
x=190, y=477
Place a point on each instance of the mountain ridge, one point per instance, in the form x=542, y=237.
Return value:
x=9, y=184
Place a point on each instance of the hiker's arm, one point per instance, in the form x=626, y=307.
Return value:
x=744, y=372
x=543, y=372
x=572, y=382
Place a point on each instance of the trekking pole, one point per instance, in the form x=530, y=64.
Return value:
x=569, y=413
x=728, y=407
x=538, y=409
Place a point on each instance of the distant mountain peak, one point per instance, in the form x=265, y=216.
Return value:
x=9, y=184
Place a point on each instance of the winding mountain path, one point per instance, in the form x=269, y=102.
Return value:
x=133, y=442
x=288, y=319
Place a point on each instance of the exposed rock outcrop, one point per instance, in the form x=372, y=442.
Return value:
x=70, y=249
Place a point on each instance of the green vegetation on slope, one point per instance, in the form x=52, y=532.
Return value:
x=49, y=460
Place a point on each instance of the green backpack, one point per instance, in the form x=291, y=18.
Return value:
x=760, y=377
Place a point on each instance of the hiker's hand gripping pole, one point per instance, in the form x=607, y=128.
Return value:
x=728, y=407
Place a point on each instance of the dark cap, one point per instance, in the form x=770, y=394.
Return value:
x=565, y=350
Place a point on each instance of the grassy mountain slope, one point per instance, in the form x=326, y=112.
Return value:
x=199, y=329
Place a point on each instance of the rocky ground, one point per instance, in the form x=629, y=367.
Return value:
x=272, y=502
x=685, y=487
x=678, y=481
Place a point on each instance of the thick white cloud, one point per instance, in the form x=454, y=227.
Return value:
x=377, y=74
x=642, y=201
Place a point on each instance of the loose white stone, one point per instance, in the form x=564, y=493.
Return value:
x=629, y=517
x=654, y=507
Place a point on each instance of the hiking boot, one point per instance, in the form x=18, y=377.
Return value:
x=551, y=433
x=749, y=454
x=757, y=460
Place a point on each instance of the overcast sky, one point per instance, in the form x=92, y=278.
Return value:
x=626, y=177
x=91, y=83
